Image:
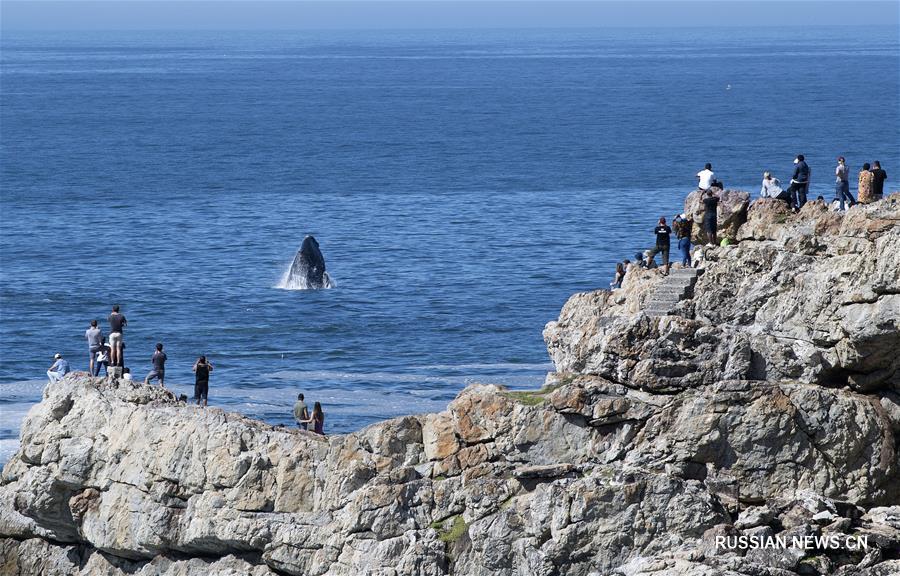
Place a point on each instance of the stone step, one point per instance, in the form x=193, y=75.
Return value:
x=692, y=272
x=656, y=313
x=679, y=280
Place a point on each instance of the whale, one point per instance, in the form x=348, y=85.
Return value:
x=307, y=271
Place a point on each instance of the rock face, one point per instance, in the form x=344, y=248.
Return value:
x=765, y=406
x=731, y=213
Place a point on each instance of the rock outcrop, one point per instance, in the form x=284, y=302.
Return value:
x=730, y=214
x=766, y=408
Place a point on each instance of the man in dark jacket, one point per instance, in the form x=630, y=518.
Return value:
x=799, y=182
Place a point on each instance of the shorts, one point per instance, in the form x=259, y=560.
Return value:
x=159, y=374
x=201, y=390
x=115, y=338
x=710, y=226
x=664, y=250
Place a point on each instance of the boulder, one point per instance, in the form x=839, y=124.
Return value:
x=731, y=213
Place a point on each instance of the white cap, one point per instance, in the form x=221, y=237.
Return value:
x=57, y=356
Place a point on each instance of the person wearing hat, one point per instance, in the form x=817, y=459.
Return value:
x=59, y=369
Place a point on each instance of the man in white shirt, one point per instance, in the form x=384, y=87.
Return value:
x=706, y=177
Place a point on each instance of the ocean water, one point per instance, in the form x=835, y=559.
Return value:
x=461, y=185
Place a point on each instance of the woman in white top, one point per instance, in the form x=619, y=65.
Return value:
x=771, y=188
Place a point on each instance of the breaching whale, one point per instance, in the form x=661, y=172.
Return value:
x=307, y=271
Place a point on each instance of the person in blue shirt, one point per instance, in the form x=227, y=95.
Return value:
x=59, y=369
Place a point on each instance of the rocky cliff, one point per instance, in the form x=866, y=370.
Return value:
x=764, y=406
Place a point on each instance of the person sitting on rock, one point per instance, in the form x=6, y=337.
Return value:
x=620, y=275
x=639, y=260
x=59, y=369
x=706, y=177
x=649, y=260
x=710, y=217
x=771, y=188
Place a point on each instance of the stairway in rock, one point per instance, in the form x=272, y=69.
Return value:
x=673, y=288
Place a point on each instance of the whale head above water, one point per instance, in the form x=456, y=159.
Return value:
x=308, y=268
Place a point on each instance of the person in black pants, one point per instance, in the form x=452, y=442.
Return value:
x=799, y=182
x=710, y=217
x=663, y=243
x=202, y=368
x=878, y=178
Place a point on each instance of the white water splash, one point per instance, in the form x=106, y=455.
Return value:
x=298, y=282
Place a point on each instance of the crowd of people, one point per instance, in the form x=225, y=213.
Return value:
x=108, y=352
x=870, y=185
x=870, y=188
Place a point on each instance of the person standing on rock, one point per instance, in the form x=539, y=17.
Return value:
x=95, y=339
x=117, y=323
x=799, y=182
x=102, y=359
x=317, y=419
x=620, y=275
x=683, y=233
x=663, y=243
x=59, y=369
x=159, y=366
x=201, y=369
x=301, y=413
x=710, y=217
x=878, y=178
x=842, y=183
x=866, y=185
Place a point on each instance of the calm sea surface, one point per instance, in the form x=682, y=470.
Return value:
x=461, y=185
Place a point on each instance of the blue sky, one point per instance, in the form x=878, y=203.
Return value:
x=352, y=14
